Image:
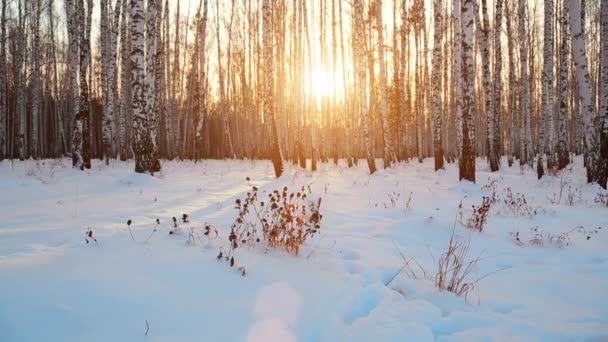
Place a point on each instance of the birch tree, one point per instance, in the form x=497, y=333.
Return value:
x=467, y=159
x=35, y=77
x=603, y=114
x=436, y=84
x=20, y=81
x=546, y=122
x=526, y=141
x=73, y=25
x=269, y=115
x=84, y=18
x=145, y=158
x=3, y=111
x=579, y=52
x=202, y=108
x=497, y=88
x=389, y=153
x=109, y=22
x=483, y=33
x=457, y=71
x=562, y=145
x=125, y=86
x=360, y=67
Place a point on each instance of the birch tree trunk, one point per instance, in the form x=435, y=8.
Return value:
x=603, y=114
x=35, y=78
x=84, y=18
x=360, y=67
x=20, y=82
x=457, y=72
x=145, y=159
x=3, y=111
x=389, y=153
x=546, y=122
x=467, y=159
x=269, y=115
x=563, y=157
x=513, y=126
x=496, y=142
x=151, y=88
x=526, y=141
x=125, y=87
x=202, y=108
x=404, y=86
x=73, y=24
x=436, y=84
x=579, y=52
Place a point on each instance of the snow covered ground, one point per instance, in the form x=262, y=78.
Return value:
x=54, y=287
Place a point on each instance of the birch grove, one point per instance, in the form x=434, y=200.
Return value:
x=306, y=82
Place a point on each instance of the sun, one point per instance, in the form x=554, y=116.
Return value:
x=322, y=83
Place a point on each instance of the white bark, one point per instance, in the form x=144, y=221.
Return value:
x=436, y=84
x=389, y=153
x=3, y=111
x=202, y=108
x=526, y=141
x=360, y=67
x=457, y=71
x=585, y=91
x=467, y=159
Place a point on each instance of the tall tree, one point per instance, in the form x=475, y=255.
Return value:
x=526, y=141
x=19, y=58
x=360, y=67
x=84, y=18
x=546, y=122
x=269, y=114
x=603, y=114
x=73, y=25
x=562, y=144
x=3, y=111
x=202, y=108
x=145, y=158
x=457, y=71
x=389, y=152
x=436, y=83
x=35, y=77
x=579, y=52
x=467, y=159
x=496, y=142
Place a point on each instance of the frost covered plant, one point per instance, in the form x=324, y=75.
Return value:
x=479, y=215
x=515, y=204
x=601, y=199
x=176, y=227
x=154, y=230
x=454, y=268
x=393, y=200
x=285, y=220
x=89, y=237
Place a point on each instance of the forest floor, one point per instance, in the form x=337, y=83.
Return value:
x=542, y=272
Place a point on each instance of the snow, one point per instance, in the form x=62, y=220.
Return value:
x=55, y=287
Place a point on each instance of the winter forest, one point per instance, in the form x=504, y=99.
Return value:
x=304, y=170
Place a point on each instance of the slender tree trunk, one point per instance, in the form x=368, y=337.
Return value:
x=269, y=115
x=360, y=67
x=35, y=78
x=467, y=160
x=202, y=107
x=603, y=113
x=389, y=153
x=526, y=141
x=497, y=91
x=457, y=72
x=3, y=111
x=563, y=157
x=579, y=52
x=436, y=81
